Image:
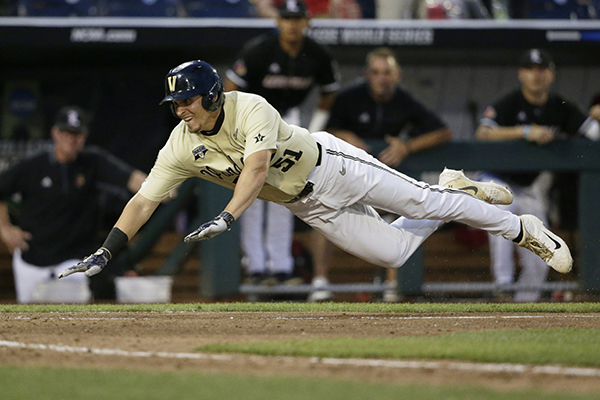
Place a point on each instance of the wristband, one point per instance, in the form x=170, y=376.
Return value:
x=115, y=241
x=408, y=147
x=526, y=131
x=228, y=218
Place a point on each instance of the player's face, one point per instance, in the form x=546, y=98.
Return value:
x=67, y=144
x=536, y=79
x=383, y=74
x=195, y=116
x=292, y=29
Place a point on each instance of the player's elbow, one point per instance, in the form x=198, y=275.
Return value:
x=136, y=180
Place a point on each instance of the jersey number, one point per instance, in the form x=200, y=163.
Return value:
x=285, y=162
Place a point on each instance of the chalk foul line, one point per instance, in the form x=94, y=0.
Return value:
x=427, y=365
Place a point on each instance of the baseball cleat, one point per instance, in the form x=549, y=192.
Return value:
x=319, y=292
x=551, y=248
x=490, y=192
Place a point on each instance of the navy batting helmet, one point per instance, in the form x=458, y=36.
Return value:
x=194, y=78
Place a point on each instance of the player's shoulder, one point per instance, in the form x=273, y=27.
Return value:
x=260, y=44
x=37, y=159
x=239, y=98
x=358, y=88
x=403, y=95
x=95, y=155
x=514, y=98
x=245, y=105
x=557, y=99
x=311, y=45
x=93, y=151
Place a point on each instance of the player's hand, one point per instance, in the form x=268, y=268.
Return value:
x=595, y=112
x=212, y=228
x=91, y=265
x=353, y=139
x=15, y=238
x=395, y=153
x=541, y=134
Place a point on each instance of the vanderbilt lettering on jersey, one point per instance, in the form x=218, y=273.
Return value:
x=251, y=124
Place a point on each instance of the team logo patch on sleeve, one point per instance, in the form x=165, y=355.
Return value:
x=259, y=138
x=199, y=152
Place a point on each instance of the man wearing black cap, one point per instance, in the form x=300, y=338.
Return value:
x=532, y=113
x=282, y=67
x=58, y=209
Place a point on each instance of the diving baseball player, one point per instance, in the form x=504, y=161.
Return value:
x=239, y=141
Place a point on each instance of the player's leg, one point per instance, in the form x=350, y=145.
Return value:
x=278, y=242
x=502, y=260
x=26, y=277
x=251, y=240
x=360, y=231
x=534, y=271
x=348, y=175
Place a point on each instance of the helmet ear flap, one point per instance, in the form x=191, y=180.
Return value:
x=208, y=102
x=214, y=98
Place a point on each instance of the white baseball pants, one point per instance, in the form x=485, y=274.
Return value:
x=350, y=183
x=534, y=271
x=266, y=238
x=27, y=276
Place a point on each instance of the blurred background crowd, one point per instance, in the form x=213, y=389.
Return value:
x=369, y=9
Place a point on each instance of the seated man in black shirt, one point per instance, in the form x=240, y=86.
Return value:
x=535, y=114
x=379, y=109
x=58, y=214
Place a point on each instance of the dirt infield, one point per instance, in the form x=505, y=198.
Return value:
x=92, y=340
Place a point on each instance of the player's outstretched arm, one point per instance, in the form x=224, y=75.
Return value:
x=135, y=214
x=251, y=180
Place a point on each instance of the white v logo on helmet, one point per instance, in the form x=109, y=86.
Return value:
x=172, y=80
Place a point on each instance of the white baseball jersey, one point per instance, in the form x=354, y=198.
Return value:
x=250, y=125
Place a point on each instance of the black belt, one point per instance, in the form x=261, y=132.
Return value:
x=309, y=185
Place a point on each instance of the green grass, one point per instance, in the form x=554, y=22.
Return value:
x=315, y=307
x=566, y=346
x=62, y=383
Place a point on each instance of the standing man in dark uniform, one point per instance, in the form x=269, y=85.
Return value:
x=535, y=114
x=282, y=67
x=58, y=214
x=378, y=108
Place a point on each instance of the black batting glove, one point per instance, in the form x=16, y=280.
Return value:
x=91, y=265
x=212, y=228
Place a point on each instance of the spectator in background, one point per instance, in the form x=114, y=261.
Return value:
x=349, y=9
x=283, y=68
x=557, y=9
x=455, y=9
x=58, y=213
x=532, y=113
x=595, y=107
x=400, y=9
x=378, y=109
